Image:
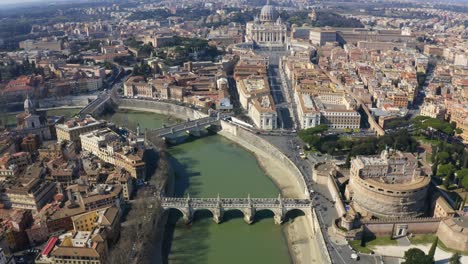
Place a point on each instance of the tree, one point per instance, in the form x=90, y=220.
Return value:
x=315, y=130
x=348, y=161
x=416, y=256
x=443, y=157
x=462, y=173
x=433, y=249
x=445, y=170
x=455, y=259
x=464, y=181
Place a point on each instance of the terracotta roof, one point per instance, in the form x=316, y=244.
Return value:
x=75, y=251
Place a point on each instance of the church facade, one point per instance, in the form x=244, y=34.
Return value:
x=33, y=122
x=268, y=30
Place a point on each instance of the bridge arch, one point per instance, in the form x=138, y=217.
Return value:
x=233, y=213
x=293, y=213
x=264, y=213
x=201, y=213
x=181, y=213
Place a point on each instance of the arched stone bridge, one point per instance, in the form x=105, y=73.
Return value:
x=189, y=126
x=248, y=206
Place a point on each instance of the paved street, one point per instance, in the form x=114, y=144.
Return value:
x=280, y=94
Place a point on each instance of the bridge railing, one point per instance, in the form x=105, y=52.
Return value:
x=259, y=203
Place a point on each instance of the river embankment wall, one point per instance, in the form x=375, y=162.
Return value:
x=79, y=101
x=177, y=111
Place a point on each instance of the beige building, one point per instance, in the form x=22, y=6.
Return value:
x=255, y=97
x=321, y=36
x=387, y=186
x=252, y=87
x=338, y=111
x=32, y=194
x=105, y=144
x=13, y=164
x=125, y=180
x=137, y=86
x=262, y=111
x=335, y=110
x=72, y=129
x=433, y=110
x=308, y=113
x=77, y=247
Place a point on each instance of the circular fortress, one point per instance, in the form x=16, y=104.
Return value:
x=388, y=186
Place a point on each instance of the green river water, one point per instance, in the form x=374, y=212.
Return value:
x=204, y=168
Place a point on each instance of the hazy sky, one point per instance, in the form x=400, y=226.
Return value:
x=22, y=2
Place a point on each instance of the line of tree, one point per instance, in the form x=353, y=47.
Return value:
x=14, y=70
x=138, y=236
x=336, y=145
x=324, y=18
x=450, y=163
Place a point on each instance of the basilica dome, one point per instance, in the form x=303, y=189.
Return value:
x=268, y=13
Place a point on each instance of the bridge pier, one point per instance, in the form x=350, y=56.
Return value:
x=194, y=132
x=171, y=139
x=218, y=214
x=249, y=215
x=187, y=219
x=279, y=218
x=187, y=215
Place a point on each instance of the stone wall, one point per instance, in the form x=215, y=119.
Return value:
x=178, y=111
x=255, y=143
x=336, y=195
x=326, y=177
x=452, y=235
x=51, y=103
x=69, y=101
x=424, y=225
x=319, y=237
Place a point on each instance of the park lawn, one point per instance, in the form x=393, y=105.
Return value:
x=423, y=239
x=371, y=243
x=426, y=140
x=8, y=119
x=381, y=241
x=356, y=245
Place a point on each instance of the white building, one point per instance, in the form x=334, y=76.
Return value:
x=335, y=110
x=268, y=30
x=262, y=111
x=309, y=114
x=252, y=87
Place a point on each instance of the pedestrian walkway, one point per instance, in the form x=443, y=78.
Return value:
x=403, y=241
x=339, y=241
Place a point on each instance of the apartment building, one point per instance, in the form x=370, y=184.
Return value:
x=263, y=113
x=72, y=129
x=106, y=145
